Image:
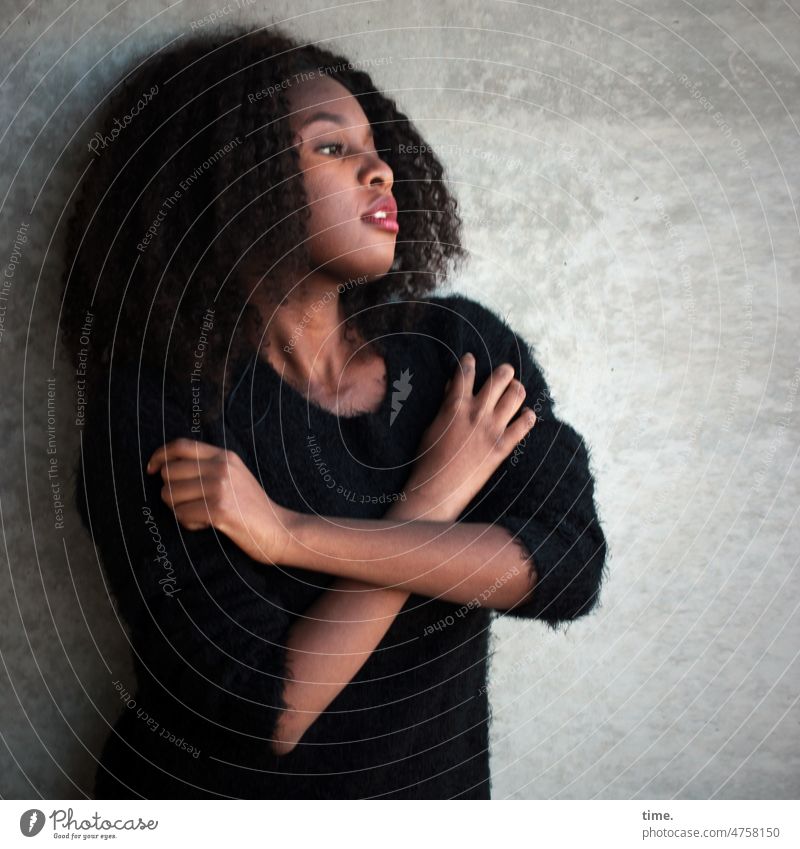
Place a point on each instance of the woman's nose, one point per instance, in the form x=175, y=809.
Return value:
x=375, y=170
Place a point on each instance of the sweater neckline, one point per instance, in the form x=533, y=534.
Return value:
x=294, y=396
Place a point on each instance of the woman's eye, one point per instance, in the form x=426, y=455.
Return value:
x=336, y=145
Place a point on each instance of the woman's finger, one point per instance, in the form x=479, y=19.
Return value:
x=181, y=470
x=495, y=385
x=510, y=401
x=193, y=515
x=463, y=379
x=517, y=430
x=182, y=448
x=181, y=492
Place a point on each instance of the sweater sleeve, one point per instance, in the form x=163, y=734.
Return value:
x=543, y=492
x=207, y=621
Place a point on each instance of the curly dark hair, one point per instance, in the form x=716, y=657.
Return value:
x=192, y=183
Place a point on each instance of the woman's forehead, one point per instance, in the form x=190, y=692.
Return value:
x=323, y=95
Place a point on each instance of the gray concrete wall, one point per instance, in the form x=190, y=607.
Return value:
x=629, y=179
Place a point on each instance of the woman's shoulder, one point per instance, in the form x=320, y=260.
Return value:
x=137, y=399
x=129, y=415
x=463, y=323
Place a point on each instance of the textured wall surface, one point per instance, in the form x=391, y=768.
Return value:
x=629, y=179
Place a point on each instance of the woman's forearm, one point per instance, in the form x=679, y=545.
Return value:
x=458, y=562
x=333, y=639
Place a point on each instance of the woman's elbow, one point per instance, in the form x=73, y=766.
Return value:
x=587, y=595
x=284, y=738
x=290, y=729
x=282, y=747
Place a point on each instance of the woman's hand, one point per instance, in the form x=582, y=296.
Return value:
x=205, y=485
x=470, y=437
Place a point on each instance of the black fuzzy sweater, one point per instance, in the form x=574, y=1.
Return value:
x=208, y=625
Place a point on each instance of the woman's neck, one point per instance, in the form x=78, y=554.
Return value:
x=306, y=338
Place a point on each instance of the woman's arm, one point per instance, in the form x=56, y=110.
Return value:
x=464, y=445
x=336, y=635
x=334, y=638
x=456, y=561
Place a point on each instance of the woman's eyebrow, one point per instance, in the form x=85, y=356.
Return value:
x=334, y=119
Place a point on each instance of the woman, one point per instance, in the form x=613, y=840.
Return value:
x=309, y=479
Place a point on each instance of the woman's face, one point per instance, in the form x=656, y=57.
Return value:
x=344, y=178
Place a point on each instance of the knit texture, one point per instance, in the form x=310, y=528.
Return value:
x=208, y=625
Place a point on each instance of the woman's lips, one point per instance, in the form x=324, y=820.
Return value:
x=383, y=219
